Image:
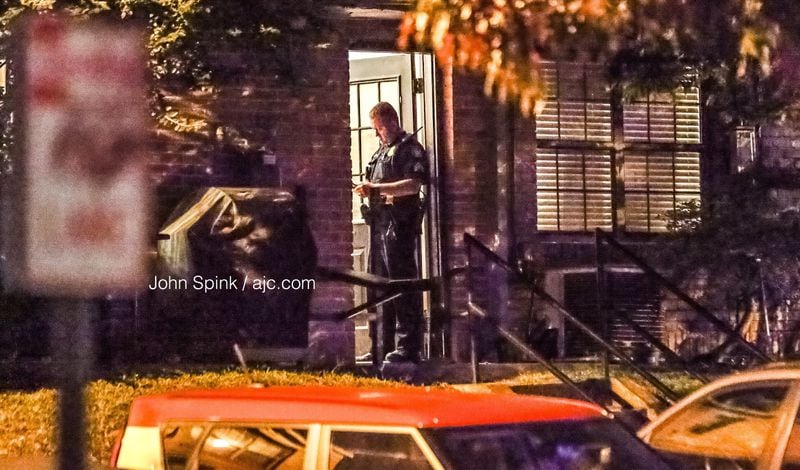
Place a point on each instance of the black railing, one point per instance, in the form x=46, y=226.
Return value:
x=390, y=289
x=720, y=326
x=473, y=244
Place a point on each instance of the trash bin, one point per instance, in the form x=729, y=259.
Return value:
x=224, y=258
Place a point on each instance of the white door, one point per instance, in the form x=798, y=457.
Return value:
x=406, y=82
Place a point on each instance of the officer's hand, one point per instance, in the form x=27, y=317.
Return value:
x=363, y=188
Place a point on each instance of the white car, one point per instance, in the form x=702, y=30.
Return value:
x=743, y=421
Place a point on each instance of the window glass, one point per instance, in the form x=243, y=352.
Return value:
x=179, y=442
x=390, y=92
x=578, y=106
x=229, y=447
x=368, y=96
x=598, y=444
x=244, y=448
x=354, y=111
x=665, y=117
x=372, y=451
x=731, y=424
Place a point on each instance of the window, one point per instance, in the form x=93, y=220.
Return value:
x=574, y=189
x=604, y=162
x=597, y=444
x=363, y=142
x=179, y=444
x=3, y=84
x=222, y=447
x=372, y=450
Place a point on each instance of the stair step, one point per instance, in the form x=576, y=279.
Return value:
x=638, y=395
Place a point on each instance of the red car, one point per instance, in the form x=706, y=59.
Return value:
x=375, y=429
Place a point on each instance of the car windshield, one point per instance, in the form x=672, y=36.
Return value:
x=560, y=445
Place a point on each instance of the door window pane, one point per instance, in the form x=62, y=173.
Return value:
x=370, y=451
x=368, y=96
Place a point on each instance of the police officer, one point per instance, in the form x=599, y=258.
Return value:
x=395, y=175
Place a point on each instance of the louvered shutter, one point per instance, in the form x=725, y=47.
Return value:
x=573, y=184
x=578, y=106
x=656, y=181
x=633, y=294
x=665, y=117
x=659, y=163
x=574, y=190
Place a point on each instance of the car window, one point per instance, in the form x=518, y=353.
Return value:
x=731, y=424
x=179, y=441
x=372, y=451
x=228, y=447
x=596, y=444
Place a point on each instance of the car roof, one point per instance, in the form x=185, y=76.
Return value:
x=399, y=406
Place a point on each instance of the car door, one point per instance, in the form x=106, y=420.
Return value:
x=738, y=426
x=375, y=447
x=786, y=452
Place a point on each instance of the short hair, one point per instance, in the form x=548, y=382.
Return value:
x=385, y=112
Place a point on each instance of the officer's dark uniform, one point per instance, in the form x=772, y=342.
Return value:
x=394, y=231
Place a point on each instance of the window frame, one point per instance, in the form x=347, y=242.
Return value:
x=364, y=130
x=323, y=455
x=617, y=147
x=312, y=437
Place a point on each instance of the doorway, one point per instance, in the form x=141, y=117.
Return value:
x=407, y=82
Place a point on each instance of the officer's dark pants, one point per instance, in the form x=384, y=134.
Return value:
x=395, y=257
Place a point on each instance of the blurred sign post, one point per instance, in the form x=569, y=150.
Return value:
x=76, y=226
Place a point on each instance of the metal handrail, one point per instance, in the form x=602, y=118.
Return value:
x=392, y=289
x=472, y=242
x=535, y=355
x=603, y=308
x=721, y=326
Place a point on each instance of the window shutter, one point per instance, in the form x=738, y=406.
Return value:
x=574, y=190
x=655, y=183
x=665, y=117
x=658, y=156
x=578, y=104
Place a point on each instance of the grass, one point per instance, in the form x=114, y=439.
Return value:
x=679, y=382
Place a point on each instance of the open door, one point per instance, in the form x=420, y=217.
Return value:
x=406, y=81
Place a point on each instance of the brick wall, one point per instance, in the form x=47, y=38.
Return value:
x=304, y=123
x=780, y=146
x=489, y=192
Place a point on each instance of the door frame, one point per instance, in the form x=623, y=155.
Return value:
x=420, y=112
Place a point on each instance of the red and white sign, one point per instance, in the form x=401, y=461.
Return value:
x=84, y=200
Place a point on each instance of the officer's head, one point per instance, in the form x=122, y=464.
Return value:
x=385, y=122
